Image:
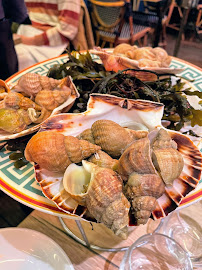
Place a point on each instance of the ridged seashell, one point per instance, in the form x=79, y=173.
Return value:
x=100, y=189
x=32, y=83
x=86, y=135
x=163, y=140
x=18, y=101
x=14, y=121
x=105, y=199
x=169, y=163
x=4, y=89
x=102, y=159
x=124, y=48
x=111, y=137
x=55, y=152
x=143, y=190
x=136, y=158
x=52, y=99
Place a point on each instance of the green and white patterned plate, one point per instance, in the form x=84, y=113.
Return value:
x=21, y=185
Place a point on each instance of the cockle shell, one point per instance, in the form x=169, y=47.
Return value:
x=102, y=159
x=32, y=83
x=145, y=113
x=55, y=152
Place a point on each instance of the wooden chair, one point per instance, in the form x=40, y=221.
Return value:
x=158, y=18
x=113, y=23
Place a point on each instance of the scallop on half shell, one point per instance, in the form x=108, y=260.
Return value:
x=140, y=114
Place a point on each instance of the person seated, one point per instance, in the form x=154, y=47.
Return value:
x=54, y=25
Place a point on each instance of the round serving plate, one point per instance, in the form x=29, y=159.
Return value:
x=21, y=185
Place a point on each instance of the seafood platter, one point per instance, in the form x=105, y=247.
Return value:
x=114, y=163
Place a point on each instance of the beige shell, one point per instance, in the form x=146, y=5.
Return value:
x=55, y=152
x=105, y=199
x=100, y=189
x=102, y=159
x=136, y=158
x=52, y=99
x=18, y=101
x=169, y=163
x=32, y=83
x=4, y=89
x=111, y=137
x=143, y=190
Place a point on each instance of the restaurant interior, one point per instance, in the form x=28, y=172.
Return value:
x=100, y=134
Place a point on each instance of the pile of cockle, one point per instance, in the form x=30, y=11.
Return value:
x=91, y=77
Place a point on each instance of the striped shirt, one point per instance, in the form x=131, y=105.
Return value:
x=59, y=19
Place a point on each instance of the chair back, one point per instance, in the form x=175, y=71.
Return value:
x=107, y=14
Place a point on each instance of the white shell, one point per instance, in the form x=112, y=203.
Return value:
x=64, y=107
x=121, y=111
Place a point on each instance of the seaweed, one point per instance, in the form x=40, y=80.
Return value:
x=91, y=77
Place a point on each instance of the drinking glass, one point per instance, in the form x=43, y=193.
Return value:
x=185, y=227
x=156, y=251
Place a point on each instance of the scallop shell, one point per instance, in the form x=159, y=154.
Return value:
x=64, y=107
x=122, y=111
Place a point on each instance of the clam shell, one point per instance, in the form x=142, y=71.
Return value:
x=66, y=106
x=122, y=111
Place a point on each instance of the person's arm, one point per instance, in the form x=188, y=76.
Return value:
x=66, y=29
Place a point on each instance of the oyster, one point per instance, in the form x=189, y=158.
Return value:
x=143, y=114
x=55, y=152
x=101, y=190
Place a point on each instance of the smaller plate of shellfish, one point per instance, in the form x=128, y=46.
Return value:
x=125, y=56
x=25, y=104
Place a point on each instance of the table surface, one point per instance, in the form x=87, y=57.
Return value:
x=84, y=258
